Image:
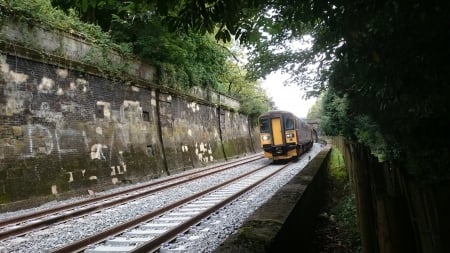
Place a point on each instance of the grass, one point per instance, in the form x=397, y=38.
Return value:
x=337, y=227
x=344, y=208
x=337, y=166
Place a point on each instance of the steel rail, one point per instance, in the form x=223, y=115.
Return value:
x=156, y=243
x=80, y=245
x=25, y=227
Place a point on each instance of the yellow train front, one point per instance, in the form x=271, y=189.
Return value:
x=283, y=135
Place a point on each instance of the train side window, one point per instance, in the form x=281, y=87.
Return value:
x=289, y=124
x=264, y=126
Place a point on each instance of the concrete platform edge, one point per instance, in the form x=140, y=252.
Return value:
x=284, y=223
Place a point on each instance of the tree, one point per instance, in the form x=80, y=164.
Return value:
x=316, y=110
x=389, y=60
x=184, y=58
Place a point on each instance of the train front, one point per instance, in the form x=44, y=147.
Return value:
x=278, y=135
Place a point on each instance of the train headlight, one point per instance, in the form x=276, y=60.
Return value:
x=266, y=137
x=290, y=135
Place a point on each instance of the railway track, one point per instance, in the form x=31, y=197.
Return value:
x=148, y=232
x=19, y=225
x=142, y=224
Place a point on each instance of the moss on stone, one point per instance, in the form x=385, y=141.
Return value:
x=261, y=231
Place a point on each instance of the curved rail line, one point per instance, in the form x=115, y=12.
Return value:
x=154, y=243
x=23, y=224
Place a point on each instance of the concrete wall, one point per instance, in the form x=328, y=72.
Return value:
x=63, y=129
x=285, y=222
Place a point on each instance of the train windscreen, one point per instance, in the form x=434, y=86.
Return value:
x=289, y=124
x=264, y=125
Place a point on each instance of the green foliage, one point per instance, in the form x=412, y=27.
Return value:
x=271, y=29
x=197, y=60
x=346, y=218
x=97, y=12
x=182, y=59
x=335, y=118
x=388, y=60
x=254, y=100
x=337, y=166
x=255, y=106
x=225, y=18
x=236, y=83
x=368, y=132
x=43, y=13
x=187, y=59
x=392, y=68
x=170, y=76
x=316, y=110
x=344, y=208
x=338, y=120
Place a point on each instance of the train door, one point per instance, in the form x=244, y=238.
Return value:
x=277, y=133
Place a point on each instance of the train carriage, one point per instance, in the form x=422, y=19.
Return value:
x=283, y=135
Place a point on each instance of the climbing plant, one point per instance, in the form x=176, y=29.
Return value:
x=132, y=29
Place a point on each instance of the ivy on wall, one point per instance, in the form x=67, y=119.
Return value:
x=183, y=60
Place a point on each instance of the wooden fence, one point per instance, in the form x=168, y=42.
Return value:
x=396, y=212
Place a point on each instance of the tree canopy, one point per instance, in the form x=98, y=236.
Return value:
x=386, y=59
x=135, y=28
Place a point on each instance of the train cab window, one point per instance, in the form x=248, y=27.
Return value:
x=264, y=126
x=289, y=124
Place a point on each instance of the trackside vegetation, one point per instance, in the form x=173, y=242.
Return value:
x=337, y=229
x=385, y=62
x=343, y=206
x=183, y=59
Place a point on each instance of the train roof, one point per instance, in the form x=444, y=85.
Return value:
x=274, y=112
x=278, y=113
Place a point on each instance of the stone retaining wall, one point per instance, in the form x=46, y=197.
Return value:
x=67, y=126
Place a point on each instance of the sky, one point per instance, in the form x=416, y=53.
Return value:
x=289, y=98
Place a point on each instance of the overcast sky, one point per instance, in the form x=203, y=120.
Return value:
x=287, y=98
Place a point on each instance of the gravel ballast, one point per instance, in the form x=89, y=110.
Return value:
x=204, y=237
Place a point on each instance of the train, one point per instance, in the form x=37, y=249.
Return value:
x=283, y=135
